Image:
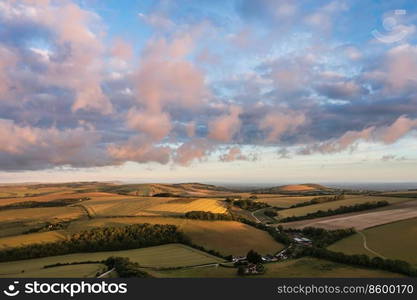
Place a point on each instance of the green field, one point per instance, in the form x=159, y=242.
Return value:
x=227, y=237
x=71, y=271
x=395, y=240
x=171, y=255
x=282, y=201
x=302, y=267
x=350, y=200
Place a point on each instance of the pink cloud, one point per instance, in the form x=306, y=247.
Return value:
x=224, y=127
x=234, y=153
x=385, y=134
x=397, y=130
x=75, y=59
x=277, y=123
x=155, y=124
x=192, y=150
x=139, y=149
x=32, y=147
x=122, y=49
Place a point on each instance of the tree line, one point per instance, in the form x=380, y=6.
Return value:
x=340, y=210
x=101, y=239
x=318, y=200
x=323, y=238
x=396, y=266
x=250, y=204
x=207, y=215
x=125, y=268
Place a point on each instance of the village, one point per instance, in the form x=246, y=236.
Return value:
x=250, y=266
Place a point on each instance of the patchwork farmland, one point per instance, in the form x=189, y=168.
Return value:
x=37, y=215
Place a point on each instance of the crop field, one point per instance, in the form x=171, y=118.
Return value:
x=31, y=238
x=302, y=267
x=281, y=200
x=164, y=256
x=151, y=206
x=227, y=237
x=350, y=200
x=65, y=195
x=396, y=240
x=203, y=204
x=41, y=214
x=122, y=206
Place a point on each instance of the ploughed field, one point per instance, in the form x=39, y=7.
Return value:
x=348, y=201
x=363, y=219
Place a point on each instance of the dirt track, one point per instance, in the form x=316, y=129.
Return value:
x=362, y=220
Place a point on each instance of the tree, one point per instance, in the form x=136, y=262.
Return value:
x=254, y=257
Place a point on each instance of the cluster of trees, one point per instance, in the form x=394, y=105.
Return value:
x=397, y=266
x=101, y=239
x=206, y=215
x=317, y=200
x=253, y=257
x=171, y=195
x=250, y=204
x=270, y=213
x=125, y=268
x=322, y=238
x=340, y=210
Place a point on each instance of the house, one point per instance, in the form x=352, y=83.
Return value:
x=238, y=258
x=298, y=240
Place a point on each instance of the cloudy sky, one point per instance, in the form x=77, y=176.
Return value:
x=213, y=91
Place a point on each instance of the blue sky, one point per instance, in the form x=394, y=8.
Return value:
x=243, y=91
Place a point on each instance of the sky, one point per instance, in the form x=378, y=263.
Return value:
x=240, y=91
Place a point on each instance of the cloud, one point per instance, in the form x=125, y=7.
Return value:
x=391, y=157
x=72, y=54
x=195, y=149
x=156, y=125
x=205, y=80
x=190, y=129
x=122, y=49
x=277, y=124
x=223, y=128
x=345, y=90
x=397, y=130
x=139, y=149
x=396, y=70
x=384, y=134
x=234, y=153
x=165, y=77
x=27, y=148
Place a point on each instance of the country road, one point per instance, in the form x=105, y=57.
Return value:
x=106, y=273
x=253, y=215
x=365, y=245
